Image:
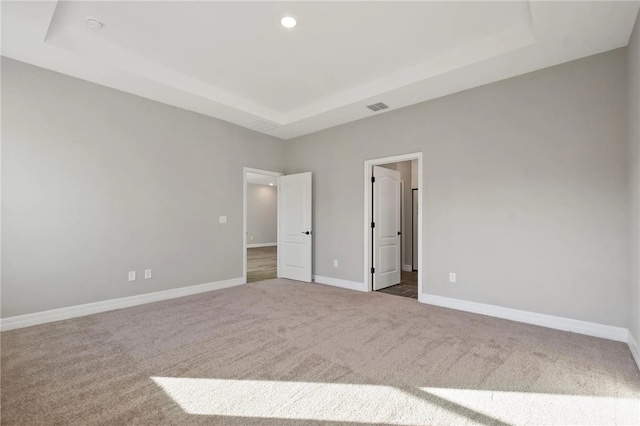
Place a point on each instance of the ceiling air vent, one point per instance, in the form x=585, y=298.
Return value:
x=377, y=107
x=262, y=126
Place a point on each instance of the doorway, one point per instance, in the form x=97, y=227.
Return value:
x=260, y=243
x=287, y=252
x=393, y=223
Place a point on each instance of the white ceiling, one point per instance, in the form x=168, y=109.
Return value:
x=259, y=179
x=234, y=61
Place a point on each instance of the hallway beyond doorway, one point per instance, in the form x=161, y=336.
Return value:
x=262, y=263
x=408, y=287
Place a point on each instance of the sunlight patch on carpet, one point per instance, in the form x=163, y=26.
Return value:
x=300, y=401
x=342, y=402
x=544, y=408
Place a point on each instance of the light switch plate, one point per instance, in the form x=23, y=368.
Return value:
x=223, y=219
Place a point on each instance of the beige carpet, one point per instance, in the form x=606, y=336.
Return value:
x=287, y=353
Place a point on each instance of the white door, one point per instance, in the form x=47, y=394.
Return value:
x=386, y=227
x=294, y=245
x=416, y=217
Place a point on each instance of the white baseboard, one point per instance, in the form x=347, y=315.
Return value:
x=36, y=318
x=619, y=334
x=407, y=268
x=633, y=347
x=261, y=245
x=351, y=285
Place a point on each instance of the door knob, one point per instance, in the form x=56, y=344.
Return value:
x=306, y=232
x=399, y=233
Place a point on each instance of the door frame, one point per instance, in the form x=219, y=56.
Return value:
x=368, y=242
x=244, y=215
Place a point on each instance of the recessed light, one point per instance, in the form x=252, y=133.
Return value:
x=94, y=24
x=270, y=184
x=288, y=22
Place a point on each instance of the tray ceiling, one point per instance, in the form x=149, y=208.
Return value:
x=234, y=61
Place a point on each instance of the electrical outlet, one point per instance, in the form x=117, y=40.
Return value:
x=132, y=275
x=452, y=277
x=147, y=274
x=335, y=263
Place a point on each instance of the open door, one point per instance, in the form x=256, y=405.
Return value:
x=294, y=245
x=386, y=228
x=414, y=229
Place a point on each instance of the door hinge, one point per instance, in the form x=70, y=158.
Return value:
x=373, y=224
x=373, y=179
x=373, y=270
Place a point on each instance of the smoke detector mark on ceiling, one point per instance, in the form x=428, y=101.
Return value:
x=94, y=24
x=377, y=107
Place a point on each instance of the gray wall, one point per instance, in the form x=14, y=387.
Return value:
x=524, y=190
x=634, y=156
x=96, y=182
x=262, y=214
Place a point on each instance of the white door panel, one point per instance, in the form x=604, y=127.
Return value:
x=387, y=261
x=295, y=227
x=414, y=261
x=386, y=232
